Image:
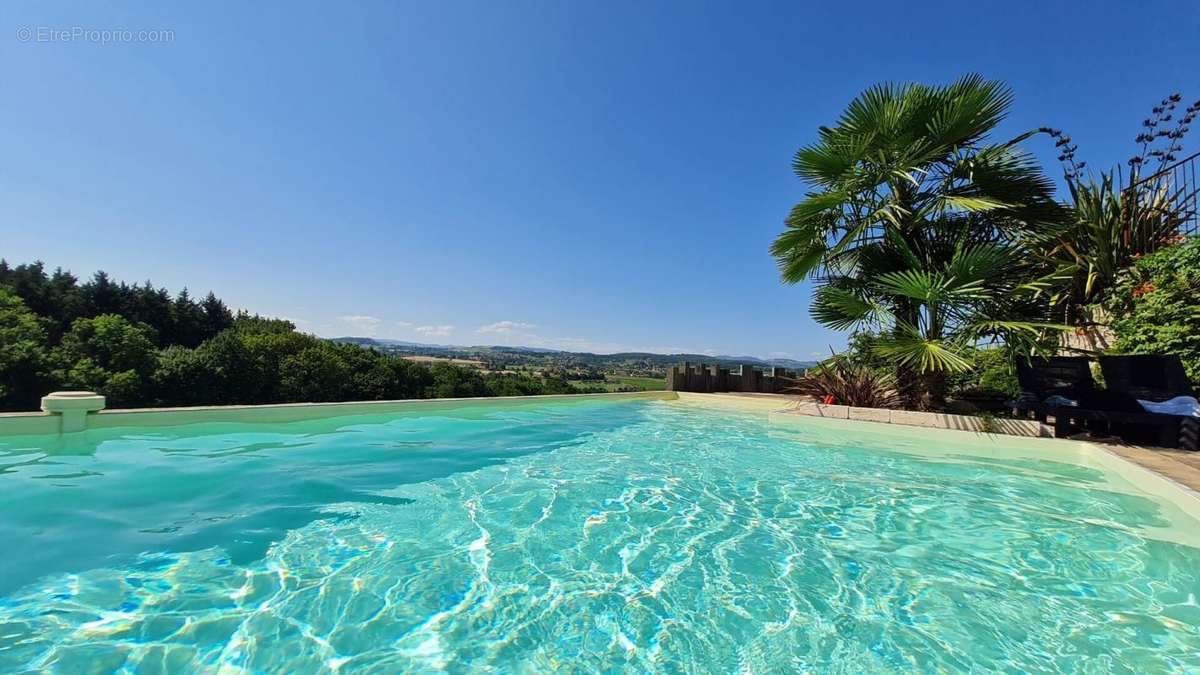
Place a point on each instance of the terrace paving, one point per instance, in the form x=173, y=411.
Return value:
x=1178, y=465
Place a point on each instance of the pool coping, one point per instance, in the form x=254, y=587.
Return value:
x=44, y=423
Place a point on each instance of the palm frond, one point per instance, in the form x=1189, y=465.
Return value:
x=842, y=308
x=917, y=284
x=972, y=204
x=969, y=109
x=924, y=355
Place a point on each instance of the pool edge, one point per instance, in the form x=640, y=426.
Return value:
x=41, y=423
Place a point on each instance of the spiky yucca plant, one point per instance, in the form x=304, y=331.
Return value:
x=1109, y=230
x=847, y=385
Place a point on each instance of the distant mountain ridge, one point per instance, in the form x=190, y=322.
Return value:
x=651, y=357
x=380, y=342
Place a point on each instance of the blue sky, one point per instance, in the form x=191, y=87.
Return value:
x=584, y=175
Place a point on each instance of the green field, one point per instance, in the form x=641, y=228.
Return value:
x=615, y=383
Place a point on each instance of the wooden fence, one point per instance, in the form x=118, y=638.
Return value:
x=714, y=378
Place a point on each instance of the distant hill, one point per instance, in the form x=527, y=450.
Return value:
x=378, y=342
x=644, y=360
x=783, y=363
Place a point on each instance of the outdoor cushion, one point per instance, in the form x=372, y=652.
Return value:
x=1180, y=405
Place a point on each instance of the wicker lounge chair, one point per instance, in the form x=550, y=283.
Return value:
x=1114, y=409
x=1040, y=378
x=1151, y=377
x=1155, y=377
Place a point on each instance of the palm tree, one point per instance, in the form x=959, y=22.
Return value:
x=914, y=226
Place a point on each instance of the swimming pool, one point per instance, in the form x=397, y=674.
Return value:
x=584, y=536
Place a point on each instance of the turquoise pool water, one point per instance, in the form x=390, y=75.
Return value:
x=584, y=537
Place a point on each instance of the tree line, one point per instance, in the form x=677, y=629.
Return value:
x=139, y=345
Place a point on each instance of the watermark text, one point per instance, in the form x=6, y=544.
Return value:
x=102, y=36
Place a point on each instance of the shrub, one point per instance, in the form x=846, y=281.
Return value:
x=848, y=385
x=861, y=351
x=1154, y=307
x=997, y=372
x=991, y=380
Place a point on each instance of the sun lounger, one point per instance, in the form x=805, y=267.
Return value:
x=1062, y=388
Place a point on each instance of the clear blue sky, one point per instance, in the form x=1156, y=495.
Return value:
x=584, y=175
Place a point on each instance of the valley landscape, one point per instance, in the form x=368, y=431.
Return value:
x=624, y=371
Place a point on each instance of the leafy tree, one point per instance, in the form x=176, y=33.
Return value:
x=247, y=323
x=551, y=385
x=997, y=372
x=377, y=377
x=56, y=298
x=102, y=295
x=317, y=373
x=185, y=377
x=524, y=385
x=108, y=354
x=188, y=321
x=240, y=367
x=914, y=227
x=151, y=306
x=125, y=388
x=268, y=352
x=217, y=316
x=452, y=381
x=31, y=284
x=65, y=302
x=24, y=360
x=87, y=375
x=60, y=299
x=138, y=345
x=112, y=342
x=1155, y=305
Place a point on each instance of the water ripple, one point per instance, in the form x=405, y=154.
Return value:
x=681, y=542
